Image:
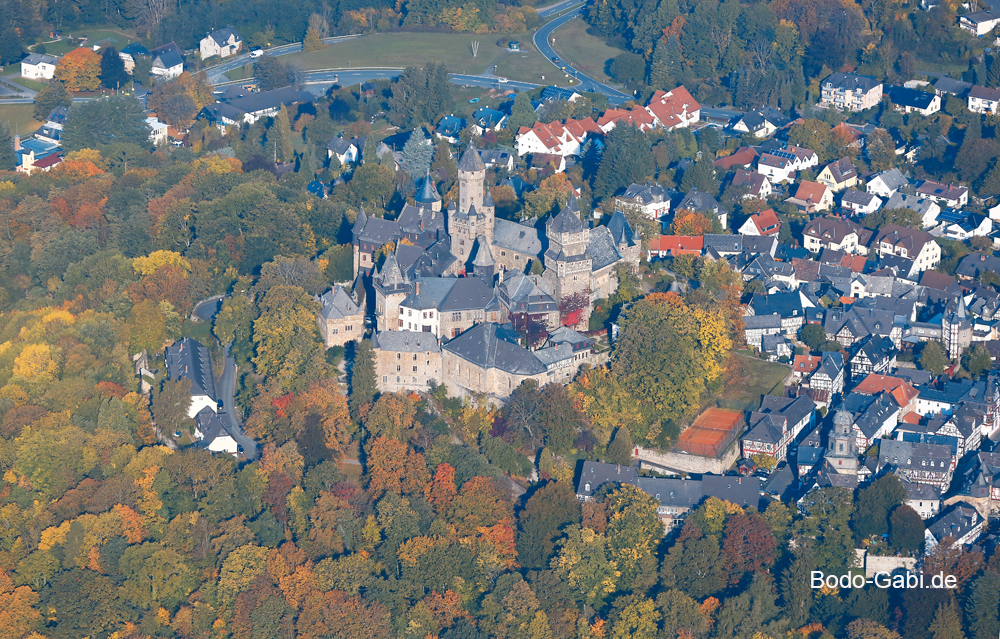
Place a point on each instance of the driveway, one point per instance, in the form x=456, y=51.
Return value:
x=226, y=388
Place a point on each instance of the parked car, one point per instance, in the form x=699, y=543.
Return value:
x=503, y=80
x=473, y=100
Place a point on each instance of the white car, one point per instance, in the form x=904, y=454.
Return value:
x=503, y=80
x=256, y=53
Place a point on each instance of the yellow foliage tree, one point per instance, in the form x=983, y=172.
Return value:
x=35, y=363
x=157, y=259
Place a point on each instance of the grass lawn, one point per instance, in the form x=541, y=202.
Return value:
x=18, y=118
x=583, y=51
x=16, y=78
x=103, y=37
x=529, y=65
x=401, y=49
x=758, y=378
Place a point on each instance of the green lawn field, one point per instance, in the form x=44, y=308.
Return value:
x=452, y=49
x=17, y=118
x=102, y=37
x=583, y=51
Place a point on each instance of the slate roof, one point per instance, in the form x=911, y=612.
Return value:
x=432, y=292
x=378, y=231
x=601, y=248
x=842, y=170
x=189, y=359
x=892, y=178
x=222, y=35
x=621, y=230
x=911, y=455
x=168, y=55
x=468, y=293
x=406, y=342
x=525, y=295
x=211, y=427
x=784, y=304
x=419, y=220
x=876, y=414
x=340, y=146
x=956, y=521
x=857, y=198
x=471, y=161
x=646, y=193
x=758, y=322
x=516, y=237
x=975, y=263
x=39, y=58
x=267, y=100
x=831, y=229
x=597, y=474
x=58, y=114
x=953, y=86
x=695, y=200
x=338, y=304
x=484, y=346
x=756, y=119
x=876, y=348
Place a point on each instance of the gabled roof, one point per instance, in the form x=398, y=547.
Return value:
x=267, y=100
x=933, y=188
x=984, y=93
x=221, y=36
x=516, y=237
x=766, y=221
x=743, y=156
x=695, y=200
x=338, y=304
x=675, y=243
x=35, y=59
x=406, y=342
x=484, y=346
x=168, y=55
x=831, y=229
x=892, y=178
x=858, y=198
x=189, y=359
x=602, y=249
x=468, y=294
x=671, y=107
x=811, y=192
x=957, y=521
x=842, y=170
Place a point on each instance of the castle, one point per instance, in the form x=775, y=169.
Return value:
x=451, y=270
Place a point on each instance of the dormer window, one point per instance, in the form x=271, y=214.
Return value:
x=586, y=487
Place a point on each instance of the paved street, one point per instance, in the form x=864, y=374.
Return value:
x=226, y=389
x=719, y=113
x=542, y=41
x=217, y=74
x=544, y=12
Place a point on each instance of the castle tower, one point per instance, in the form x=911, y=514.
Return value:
x=471, y=177
x=427, y=196
x=391, y=288
x=567, y=266
x=842, y=452
x=488, y=211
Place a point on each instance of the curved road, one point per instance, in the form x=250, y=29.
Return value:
x=541, y=41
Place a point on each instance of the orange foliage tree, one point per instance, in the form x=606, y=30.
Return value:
x=80, y=70
x=688, y=222
x=392, y=468
x=441, y=491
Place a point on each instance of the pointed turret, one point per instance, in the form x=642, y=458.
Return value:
x=488, y=199
x=962, y=316
x=472, y=210
x=484, y=264
x=359, y=224
x=391, y=275
x=573, y=204
x=470, y=160
x=428, y=193
x=567, y=221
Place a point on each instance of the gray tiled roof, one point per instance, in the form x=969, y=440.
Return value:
x=337, y=304
x=428, y=293
x=621, y=230
x=516, y=237
x=222, y=35
x=189, y=359
x=406, y=342
x=481, y=345
x=468, y=293
x=601, y=248
x=471, y=161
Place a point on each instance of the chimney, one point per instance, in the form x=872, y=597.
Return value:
x=17, y=143
x=418, y=288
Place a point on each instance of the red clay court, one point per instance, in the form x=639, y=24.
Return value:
x=711, y=432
